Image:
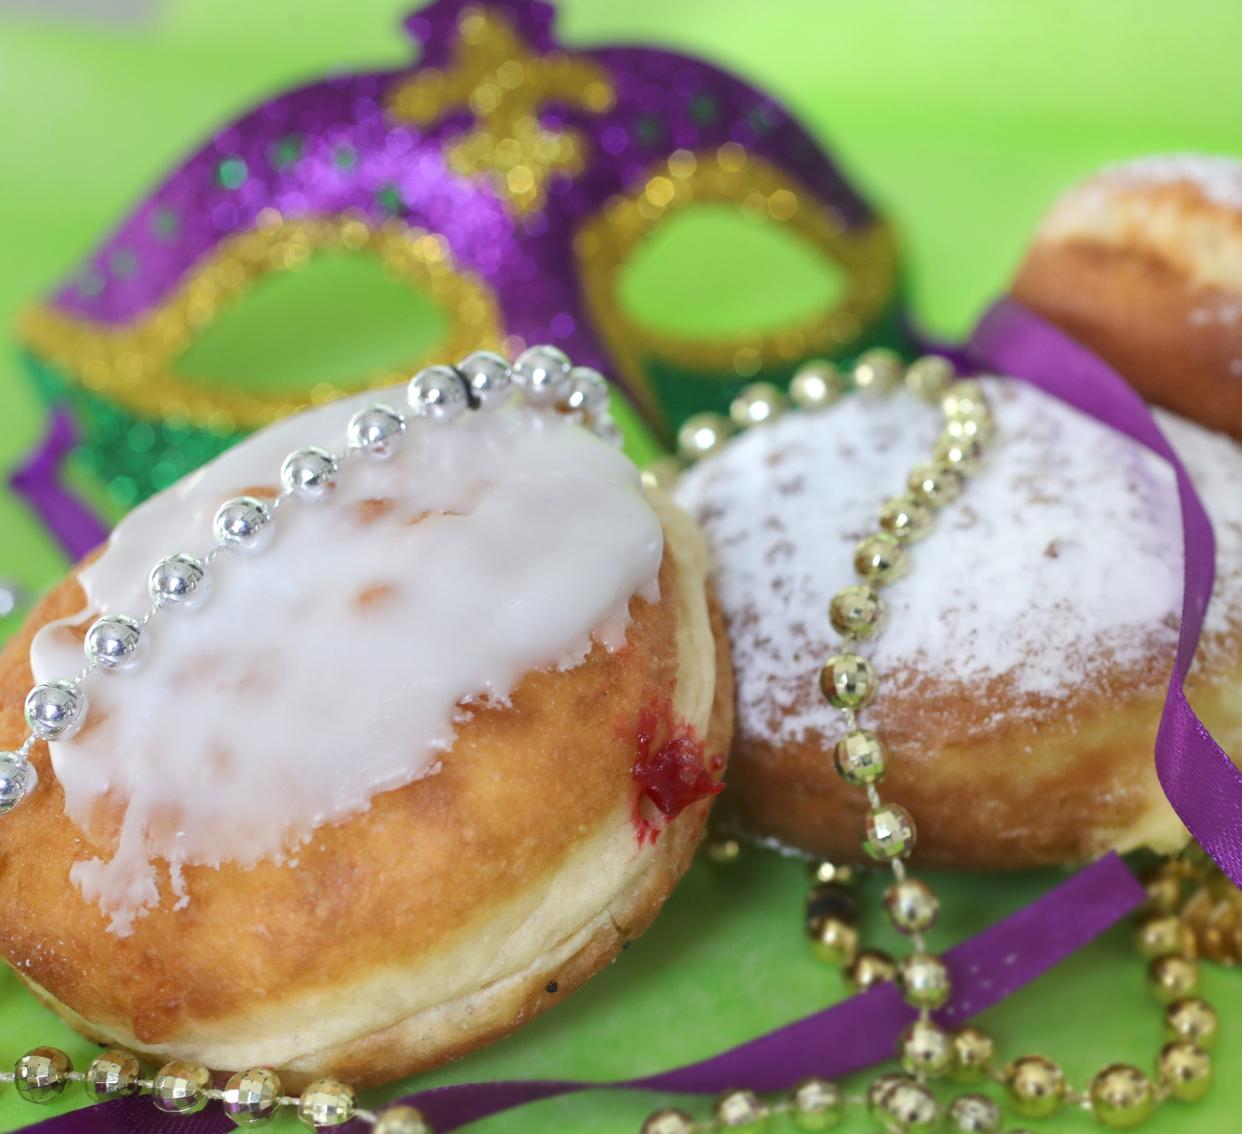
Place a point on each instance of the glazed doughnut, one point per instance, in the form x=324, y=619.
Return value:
x=1143, y=264
x=414, y=772
x=1026, y=654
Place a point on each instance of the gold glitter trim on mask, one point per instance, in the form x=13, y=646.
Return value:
x=135, y=365
x=867, y=257
x=503, y=84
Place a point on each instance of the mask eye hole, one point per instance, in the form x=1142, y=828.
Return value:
x=722, y=268
x=339, y=315
x=232, y=346
x=711, y=271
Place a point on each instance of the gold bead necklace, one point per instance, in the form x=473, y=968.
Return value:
x=248, y=1098
x=1120, y=1096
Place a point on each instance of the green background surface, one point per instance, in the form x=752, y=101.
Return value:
x=961, y=118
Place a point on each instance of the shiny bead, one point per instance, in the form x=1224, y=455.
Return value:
x=929, y=377
x=112, y=1075
x=740, y=1110
x=11, y=597
x=888, y=833
x=244, y=524
x=911, y=1108
x=181, y=1088
x=830, y=899
x=880, y=558
x=55, y=710
x=911, y=905
x=816, y=1104
x=1122, y=1096
x=115, y=643
x=1164, y=935
x=905, y=518
x=669, y=1121
x=723, y=851
x=326, y=1102
x=405, y=1120
x=701, y=435
x=1036, y=1086
x=816, y=385
x=1186, y=1069
x=841, y=873
x=377, y=430
x=877, y=371
x=934, y=483
x=847, y=681
x=959, y=453
x=924, y=980
x=973, y=430
x=1192, y=1019
x=542, y=374
x=662, y=473
x=1164, y=891
x=252, y=1097
x=180, y=582
x=488, y=378
x=310, y=473
x=973, y=1052
x=758, y=403
x=834, y=941
x=860, y=757
x=974, y=1114
x=1173, y=978
x=963, y=399
x=18, y=779
x=881, y=1085
x=925, y=1049
x=437, y=393
x=856, y=611
x=587, y=392
x=41, y=1075
x=871, y=967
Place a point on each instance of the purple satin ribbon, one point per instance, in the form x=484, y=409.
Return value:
x=1199, y=779
x=1201, y=782
x=38, y=482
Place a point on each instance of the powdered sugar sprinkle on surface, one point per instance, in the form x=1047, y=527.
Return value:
x=1061, y=561
x=1217, y=177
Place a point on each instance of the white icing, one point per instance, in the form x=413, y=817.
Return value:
x=1061, y=561
x=289, y=702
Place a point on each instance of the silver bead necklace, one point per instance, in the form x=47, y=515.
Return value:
x=181, y=583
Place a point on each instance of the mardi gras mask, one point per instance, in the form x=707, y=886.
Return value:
x=507, y=180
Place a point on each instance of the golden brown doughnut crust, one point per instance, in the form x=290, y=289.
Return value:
x=424, y=889
x=1122, y=273
x=1064, y=788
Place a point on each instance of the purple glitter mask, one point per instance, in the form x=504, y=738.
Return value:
x=508, y=179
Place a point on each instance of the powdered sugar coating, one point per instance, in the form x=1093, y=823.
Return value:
x=1060, y=564
x=1217, y=177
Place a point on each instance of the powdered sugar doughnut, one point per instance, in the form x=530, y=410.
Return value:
x=1026, y=653
x=1143, y=263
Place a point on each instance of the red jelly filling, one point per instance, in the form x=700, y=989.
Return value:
x=669, y=768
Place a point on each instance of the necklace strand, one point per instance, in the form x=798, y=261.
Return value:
x=439, y=395
x=1120, y=1095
